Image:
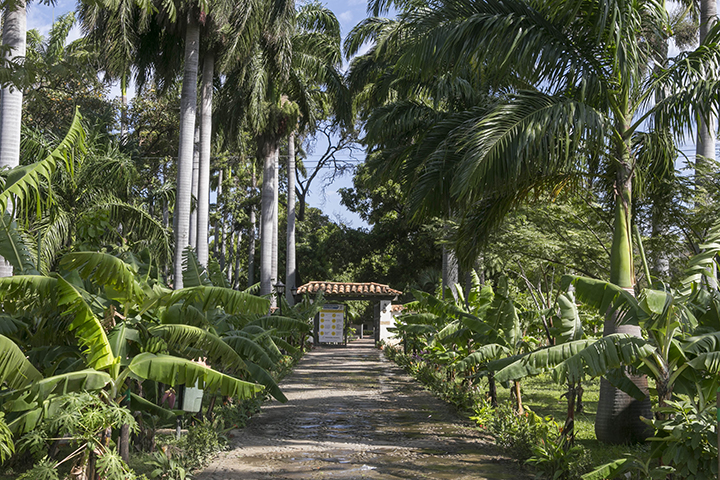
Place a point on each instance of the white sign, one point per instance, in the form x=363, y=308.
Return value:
x=330, y=328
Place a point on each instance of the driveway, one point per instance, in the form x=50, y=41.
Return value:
x=352, y=414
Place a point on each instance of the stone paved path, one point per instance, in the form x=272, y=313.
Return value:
x=352, y=414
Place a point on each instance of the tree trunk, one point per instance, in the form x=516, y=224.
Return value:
x=188, y=110
x=276, y=230
x=618, y=414
x=205, y=142
x=13, y=37
x=568, y=431
x=492, y=390
x=253, y=232
x=123, y=108
x=517, y=393
x=195, y=180
x=290, y=267
x=236, y=283
x=268, y=147
x=218, y=236
x=449, y=270
x=705, y=148
x=124, y=442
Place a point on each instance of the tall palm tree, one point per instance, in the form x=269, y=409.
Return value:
x=188, y=110
x=707, y=128
x=290, y=263
x=13, y=38
x=203, y=198
x=573, y=84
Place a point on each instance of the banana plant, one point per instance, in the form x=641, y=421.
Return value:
x=469, y=340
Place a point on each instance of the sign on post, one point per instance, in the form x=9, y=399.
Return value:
x=331, y=324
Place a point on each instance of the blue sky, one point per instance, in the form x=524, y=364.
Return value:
x=323, y=195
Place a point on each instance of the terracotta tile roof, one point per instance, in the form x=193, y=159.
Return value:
x=349, y=289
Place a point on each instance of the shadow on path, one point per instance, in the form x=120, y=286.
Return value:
x=352, y=414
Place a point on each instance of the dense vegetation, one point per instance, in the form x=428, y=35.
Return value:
x=523, y=186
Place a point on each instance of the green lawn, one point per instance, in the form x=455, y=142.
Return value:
x=542, y=396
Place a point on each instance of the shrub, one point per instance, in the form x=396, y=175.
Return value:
x=688, y=440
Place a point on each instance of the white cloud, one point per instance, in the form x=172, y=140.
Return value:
x=346, y=17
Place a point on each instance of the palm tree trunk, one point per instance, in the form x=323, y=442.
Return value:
x=705, y=148
x=618, y=414
x=251, y=240
x=275, y=213
x=290, y=267
x=188, y=110
x=238, y=239
x=195, y=178
x=449, y=269
x=203, y=207
x=216, y=244
x=13, y=37
x=222, y=238
x=268, y=147
x=123, y=109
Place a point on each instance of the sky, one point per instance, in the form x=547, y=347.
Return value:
x=323, y=195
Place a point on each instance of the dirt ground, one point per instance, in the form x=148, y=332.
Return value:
x=352, y=414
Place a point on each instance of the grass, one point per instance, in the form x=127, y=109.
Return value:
x=542, y=396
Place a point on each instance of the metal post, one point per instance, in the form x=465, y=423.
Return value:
x=362, y=326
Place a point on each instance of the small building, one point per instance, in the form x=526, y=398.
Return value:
x=383, y=295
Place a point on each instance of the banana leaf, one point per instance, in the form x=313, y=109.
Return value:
x=139, y=404
x=88, y=329
x=105, y=270
x=186, y=336
x=15, y=370
x=261, y=376
x=26, y=180
x=13, y=249
x=232, y=301
x=179, y=371
x=568, y=326
x=605, y=297
x=281, y=324
x=248, y=349
x=483, y=355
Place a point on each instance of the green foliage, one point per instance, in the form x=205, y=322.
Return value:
x=173, y=370
x=23, y=183
x=7, y=446
x=687, y=440
x=44, y=469
x=167, y=467
x=13, y=249
x=518, y=434
x=554, y=459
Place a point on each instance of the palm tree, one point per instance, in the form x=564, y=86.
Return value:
x=568, y=102
x=203, y=189
x=13, y=37
x=707, y=127
x=290, y=264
